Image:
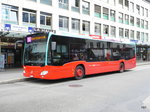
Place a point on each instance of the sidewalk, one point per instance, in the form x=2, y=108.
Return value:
x=16, y=74
x=11, y=75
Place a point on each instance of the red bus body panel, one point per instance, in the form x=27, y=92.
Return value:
x=67, y=70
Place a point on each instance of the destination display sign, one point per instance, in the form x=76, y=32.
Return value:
x=31, y=39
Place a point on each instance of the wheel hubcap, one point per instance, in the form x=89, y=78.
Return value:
x=79, y=72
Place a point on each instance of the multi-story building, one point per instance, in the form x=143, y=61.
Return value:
x=117, y=20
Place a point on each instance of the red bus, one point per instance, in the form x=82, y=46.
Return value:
x=54, y=56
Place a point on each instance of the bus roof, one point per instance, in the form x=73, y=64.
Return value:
x=91, y=37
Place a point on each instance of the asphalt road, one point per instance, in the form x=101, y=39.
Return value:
x=109, y=92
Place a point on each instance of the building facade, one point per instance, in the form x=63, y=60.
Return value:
x=118, y=20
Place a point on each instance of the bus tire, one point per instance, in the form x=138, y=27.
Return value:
x=79, y=72
x=121, y=68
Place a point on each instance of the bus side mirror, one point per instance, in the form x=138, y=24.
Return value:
x=53, y=46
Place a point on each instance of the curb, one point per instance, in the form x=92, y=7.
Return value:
x=23, y=79
x=12, y=80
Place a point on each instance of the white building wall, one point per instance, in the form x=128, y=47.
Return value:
x=56, y=12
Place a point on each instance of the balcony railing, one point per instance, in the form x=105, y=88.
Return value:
x=63, y=6
x=75, y=9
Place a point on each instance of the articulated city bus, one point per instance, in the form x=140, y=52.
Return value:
x=54, y=56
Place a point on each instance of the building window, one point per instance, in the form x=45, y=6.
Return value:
x=86, y=8
x=63, y=4
x=105, y=13
x=142, y=10
x=113, y=31
x=32, y=0
x=132, y=6
x=131, y=34
x=112, y=2
x=63, y=23
x=142, y=36
x=105, y=1
x=138, y=22
x=146, y=11
x=121, y=32
x=138, y=9
x=112, y=15
x=97, y=11
x=120, y=17
x=132, y=20
x=47, y=2
x=121, y=3
x=45, y=20
x=29, y=16
x=142, y=23
x=106, y=30
x=138, y=35
x=75, y=5
x=9, y=14
x=97, y=29
x=126, y=33
x=127, y=4
x=86, y=27
x=75, y=25
x=146, y=24
x=146, y=37
x=126, y=19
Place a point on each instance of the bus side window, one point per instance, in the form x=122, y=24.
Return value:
x=108, y=55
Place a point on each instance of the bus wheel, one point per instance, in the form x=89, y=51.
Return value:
x=122, y=68
x=79, y=72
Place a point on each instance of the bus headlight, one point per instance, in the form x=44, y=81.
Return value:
x=44, y=72
x=24, y=71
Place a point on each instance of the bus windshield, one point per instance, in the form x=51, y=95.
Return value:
x=35, y=50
